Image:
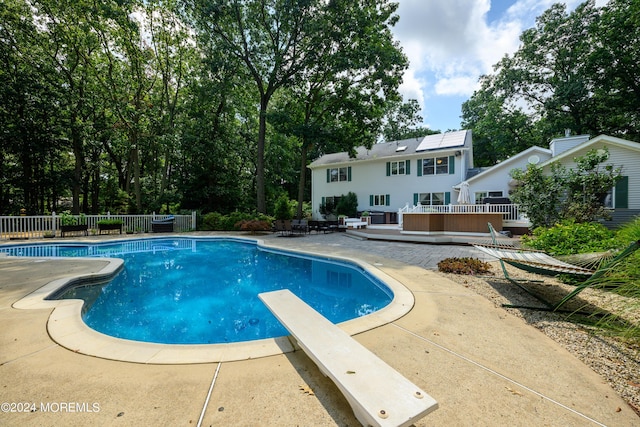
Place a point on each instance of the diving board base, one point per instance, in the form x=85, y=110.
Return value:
x=378, y=394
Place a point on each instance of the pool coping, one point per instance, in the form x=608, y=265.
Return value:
x=65, y=325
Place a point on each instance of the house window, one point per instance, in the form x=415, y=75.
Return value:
x=481, y=195
x=397, y=168
x=432, y=198
x=339, y=174
x=607, y=200
x=379, y=200
x=436, y=166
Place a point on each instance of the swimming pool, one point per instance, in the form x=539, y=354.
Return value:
x=204, y=290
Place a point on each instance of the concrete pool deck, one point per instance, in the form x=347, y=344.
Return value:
x=483, y=365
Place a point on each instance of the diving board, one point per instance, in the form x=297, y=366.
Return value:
x=378, y=394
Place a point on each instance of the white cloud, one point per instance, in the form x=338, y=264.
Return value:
x=451, y=43
x=455, y=85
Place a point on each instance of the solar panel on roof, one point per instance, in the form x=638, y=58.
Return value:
x=442, y=140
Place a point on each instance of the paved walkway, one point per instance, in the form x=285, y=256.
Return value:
x=419, y=252
x=484, y=366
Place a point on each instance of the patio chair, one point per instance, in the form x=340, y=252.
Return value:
x=300, y=226
x=283, y=227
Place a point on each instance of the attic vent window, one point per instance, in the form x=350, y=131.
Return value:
x=401, y=148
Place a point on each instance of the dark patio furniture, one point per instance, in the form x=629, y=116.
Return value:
x=164, y=225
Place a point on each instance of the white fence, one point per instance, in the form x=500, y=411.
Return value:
x=510, y=212
x=24, y=227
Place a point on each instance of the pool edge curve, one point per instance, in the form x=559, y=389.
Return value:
x=66, y=327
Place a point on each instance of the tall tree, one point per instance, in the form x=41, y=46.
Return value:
x=403, y=121
x=69, y=43
x=500, y=127
x=268, y=37
x=615, y=67
x=128, y=78
x=574, y=71
x=337, y=101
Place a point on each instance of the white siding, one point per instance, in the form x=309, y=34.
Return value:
x=629, y=159
x=370, y=178
x=498, y=178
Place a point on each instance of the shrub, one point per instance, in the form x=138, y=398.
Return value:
x=283, y=208
x=211, y=221
x=464, y=266
x=348, y=205
x=328, y=208
x=66, y=218
x=215, y=221
x=569, y=238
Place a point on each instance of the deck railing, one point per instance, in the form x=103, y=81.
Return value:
x=511, y=212
x=25, y=227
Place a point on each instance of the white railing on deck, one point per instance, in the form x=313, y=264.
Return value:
x=511, y=212
x=24, y=227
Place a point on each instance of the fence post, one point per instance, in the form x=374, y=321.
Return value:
x=54, y=223
x=193, y=221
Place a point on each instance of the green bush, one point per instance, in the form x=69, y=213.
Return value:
x=283, y=208
x=468, y=266
x=348, y=205
x=211, y=221
x=66, y=218
x=569, y=238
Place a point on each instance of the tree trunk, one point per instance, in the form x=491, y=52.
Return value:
x=303, y=178
x=262, y=131
x=78, y=155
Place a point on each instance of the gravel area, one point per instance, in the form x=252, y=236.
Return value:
x=617, y=361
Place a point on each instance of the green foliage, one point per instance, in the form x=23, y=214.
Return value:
x=465, y=265
x=630, y=231
x=66, y=218
x=587, y=186
x=576, y=194
x=622, y=278
x=569, y=237
x=283, y=209
x=403, y=121
x=328, y=208
x=538, y=195
x=110, y=222
x=233, y=221
x=574, y=70
x=348, y=205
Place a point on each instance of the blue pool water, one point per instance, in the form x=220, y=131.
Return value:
x=205, y=291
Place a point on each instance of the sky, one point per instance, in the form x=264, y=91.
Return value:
x=451, y=43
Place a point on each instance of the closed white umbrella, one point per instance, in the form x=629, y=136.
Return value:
x=464, y=197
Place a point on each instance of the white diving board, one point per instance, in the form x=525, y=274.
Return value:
x=378, y=394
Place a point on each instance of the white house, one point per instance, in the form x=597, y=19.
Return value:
x=430, y=171
x=496, y=181
x=391, y=175
x=625, y=197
